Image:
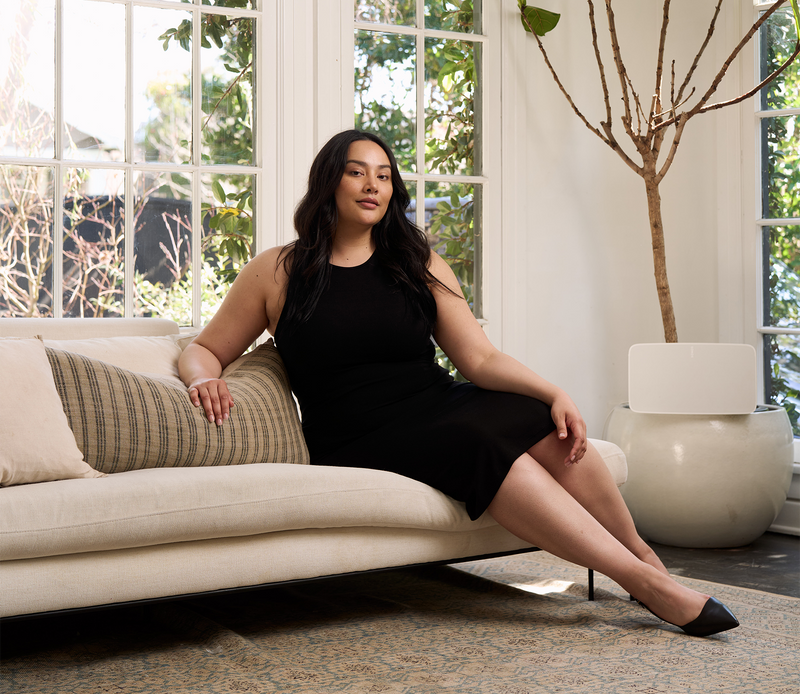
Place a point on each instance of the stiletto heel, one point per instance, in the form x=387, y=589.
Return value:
x=713, y=618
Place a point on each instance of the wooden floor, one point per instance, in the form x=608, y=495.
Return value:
x=771, y=564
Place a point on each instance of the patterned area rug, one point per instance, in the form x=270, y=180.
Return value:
x=514, y=625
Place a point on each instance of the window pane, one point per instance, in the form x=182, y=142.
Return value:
x=450, y=98
x=397, y=12
x=778, y=40
x=450, y=216
x=782, y=374
x=93, y=243
x=385, y=97
x=27, y=78
x=162, y=97
x=227, y=104
x=94, y=80
x=163, y=246
x=411, y=212
x=26, y=241
x=781, y=276
x=780, y=169
x=227, y=235
x=453, y=15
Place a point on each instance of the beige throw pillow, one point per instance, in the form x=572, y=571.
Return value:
x=127, y=421
x=36, y=444
x=155, y=355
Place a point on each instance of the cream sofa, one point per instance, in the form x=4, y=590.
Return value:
x=154, y=533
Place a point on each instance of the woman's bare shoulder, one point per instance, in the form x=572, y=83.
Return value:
x=441, y=271
x=269, y=265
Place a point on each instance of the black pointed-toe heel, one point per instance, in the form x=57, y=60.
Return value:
x=713, y=619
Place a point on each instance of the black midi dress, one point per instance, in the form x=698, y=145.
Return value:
x=371, y=394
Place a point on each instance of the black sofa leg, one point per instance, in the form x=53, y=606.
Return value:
x=591, y=584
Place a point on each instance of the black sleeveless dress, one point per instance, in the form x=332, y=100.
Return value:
x=372, y=395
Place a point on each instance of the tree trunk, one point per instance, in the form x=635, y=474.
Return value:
x=659, y=256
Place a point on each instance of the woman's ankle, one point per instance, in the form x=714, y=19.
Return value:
x=646, y=554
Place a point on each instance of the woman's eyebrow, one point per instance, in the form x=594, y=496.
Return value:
x=364, y=164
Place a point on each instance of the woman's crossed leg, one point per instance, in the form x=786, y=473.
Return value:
x=577, y=513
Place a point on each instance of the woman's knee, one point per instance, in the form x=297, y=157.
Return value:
x=551, y=452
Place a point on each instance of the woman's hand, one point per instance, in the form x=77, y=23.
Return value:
x=214, y=397
x=568, y=421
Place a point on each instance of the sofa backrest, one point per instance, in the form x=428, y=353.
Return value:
x=83, y=328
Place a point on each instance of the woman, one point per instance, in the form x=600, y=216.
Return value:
x=352, y=305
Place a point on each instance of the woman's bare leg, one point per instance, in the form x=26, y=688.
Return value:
x=534, y=506
x=590, y=483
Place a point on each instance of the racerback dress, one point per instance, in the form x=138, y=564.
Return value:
x=371, y=394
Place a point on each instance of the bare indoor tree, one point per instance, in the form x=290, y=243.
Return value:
x=655, y=129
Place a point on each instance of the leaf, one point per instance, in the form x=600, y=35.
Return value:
x=541, y=20
x=219, y=192
x=796, y=11
x=447, y=69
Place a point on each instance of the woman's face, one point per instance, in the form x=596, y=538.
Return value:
x=365, y=190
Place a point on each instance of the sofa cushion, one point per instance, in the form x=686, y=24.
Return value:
x=178, y=505
x=614, y=459
x=152, y=507
x=125, y=421
x=29, y=406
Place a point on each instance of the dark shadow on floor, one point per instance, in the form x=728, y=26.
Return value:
x=771, y=564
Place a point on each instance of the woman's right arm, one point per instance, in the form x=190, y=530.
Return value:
x=252, y=305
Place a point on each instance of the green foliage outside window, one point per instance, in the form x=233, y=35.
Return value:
x=781, y=200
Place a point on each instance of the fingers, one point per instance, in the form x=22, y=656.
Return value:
x=567, y=423
x=214, y=399
x=579, y=444
x=561, y=425
x=577, y=452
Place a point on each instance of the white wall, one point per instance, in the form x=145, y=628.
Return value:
x=589, y=285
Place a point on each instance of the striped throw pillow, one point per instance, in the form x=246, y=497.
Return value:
x=126, y=421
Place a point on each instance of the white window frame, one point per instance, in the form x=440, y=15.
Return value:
x=306, y=95
x=490, y=116
x=263, y=131
x=761, y=221
x=420, y=177
x=741, y=225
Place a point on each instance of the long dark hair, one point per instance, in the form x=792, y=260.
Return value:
x=401, y=247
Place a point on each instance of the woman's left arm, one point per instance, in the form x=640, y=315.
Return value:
x=463, y=340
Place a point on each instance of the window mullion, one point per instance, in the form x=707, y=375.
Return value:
x=420, y=80
x=58, y=183
x=407, y=30
x=129, y=265
x=197, y=218
x=777, y=221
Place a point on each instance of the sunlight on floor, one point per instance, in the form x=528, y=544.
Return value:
x=544, y=587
